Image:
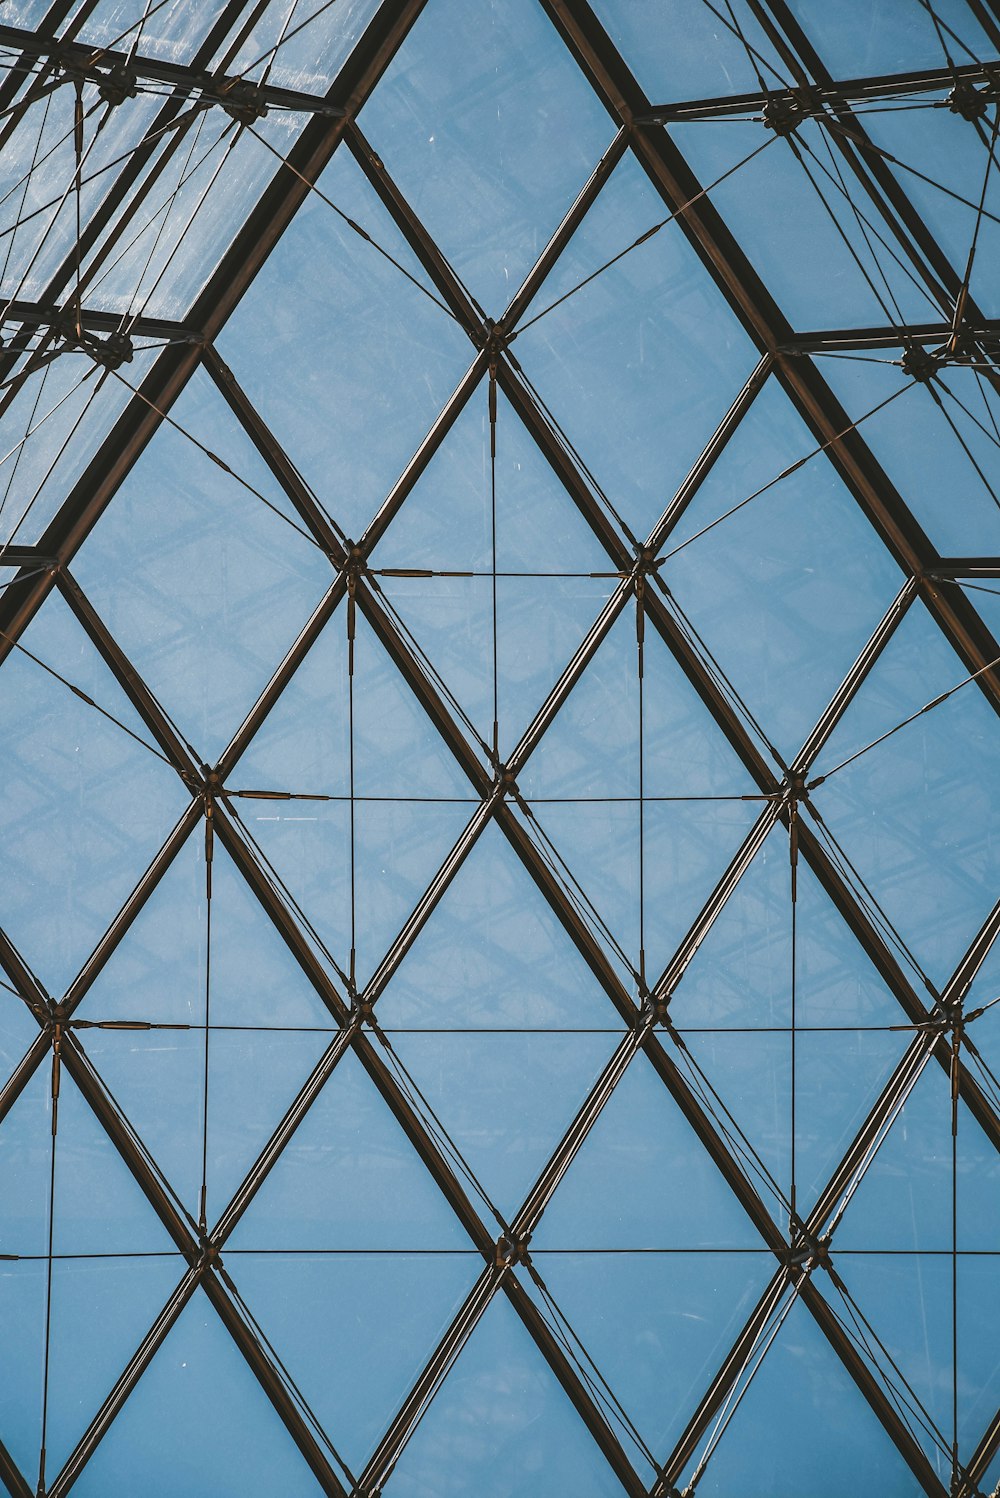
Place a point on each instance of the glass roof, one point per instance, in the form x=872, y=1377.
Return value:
x=499, y=772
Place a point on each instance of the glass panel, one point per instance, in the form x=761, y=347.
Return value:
x=51, y=430
x=84, y=805
x=784, y=593
x=99, y=1207
x=101, y=1310
x=475, y=1084
x=919, y=833
x=18, y=1028
x=157, y=972
x=904, y=1199
x=907, y=1299
x=38, y=198
x=357, y=1331
x=303, y=45
x=685, y=49
x=817, y=215
x=22, y=1306
x=653, y=322
x=446, y=521
x=203, y=585
x=866, y=37
x=940, y=454
x=494, y=956
x=953, y=152
x=828, y=1430
x=234, y=1444
x=642, y=1180
x=658, y=1350
x=181, y=232
x=349, y=1179
x=509, y=132
x=324, y=355
x=501, y=1411
x=173, y=31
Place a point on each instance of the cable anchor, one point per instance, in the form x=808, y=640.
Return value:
x=510, y=1249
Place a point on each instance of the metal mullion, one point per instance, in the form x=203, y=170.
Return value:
x=130, y=173
x=250, y=248
x=273, y=454
x=849, y=90
x=441, y=274
x=725, y=1378
x=532, y=283
x=125, y=1383
x=127, y=677
x=738, y=865
x=753, y=304
x=837, y=340
x=712, y=451
x=114, y=934
x=308, y=635
x=856, y=676
x=188, y=77
x=872, y=1391
x=11, y=1476
x=874, y=174
x=39, y=1050
x=454, y=407
x=980, y=1460
x=270, y=1381
x=34, y=314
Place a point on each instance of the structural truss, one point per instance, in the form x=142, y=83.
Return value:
x=499, y=595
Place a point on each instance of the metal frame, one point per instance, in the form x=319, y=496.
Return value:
x=800, y=1249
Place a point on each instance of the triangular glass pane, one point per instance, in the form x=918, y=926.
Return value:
x=477, y=1083
x=494, y=955
x=948, y=157
x=927, y=445
x=642, y=1180
x=84, y=805
x=591, y=748
x=685, y=50
x=658, y=1350
x=184, y=227
x=904, y=1199
x=101, y=1310
x=829, y=1431
x=99, y=1206
x=648, y=350
x=49, y=432
x=234, y=1442
x=158, y=1081
x=907, y=1300
x=37, y=171
x=501, y=1410
x=785, y=592
x=817, y=214
x=157, y=971
x=358, y=1330
x=509, y=132
x=330, y=335
x=203, y=585
x=446, y=520
x=18, y=1028
x=301, y=46
x=173, y=31
x=922, y=837
x=349, y=1179
x=865, y=37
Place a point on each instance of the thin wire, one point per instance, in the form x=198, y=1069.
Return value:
x=209, y=851
x=927, y=707
x=642, y=239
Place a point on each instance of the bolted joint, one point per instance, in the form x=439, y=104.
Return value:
x=506, y=783
x=209, y=1255
x=784, y=112
x=919, y=363
x=117, y=84
x=969, y=101
x=110, y=352
x=362, y=1009
x=509, y=1249
x=808, y=1253
x=655, y=1010
x=243, y=102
